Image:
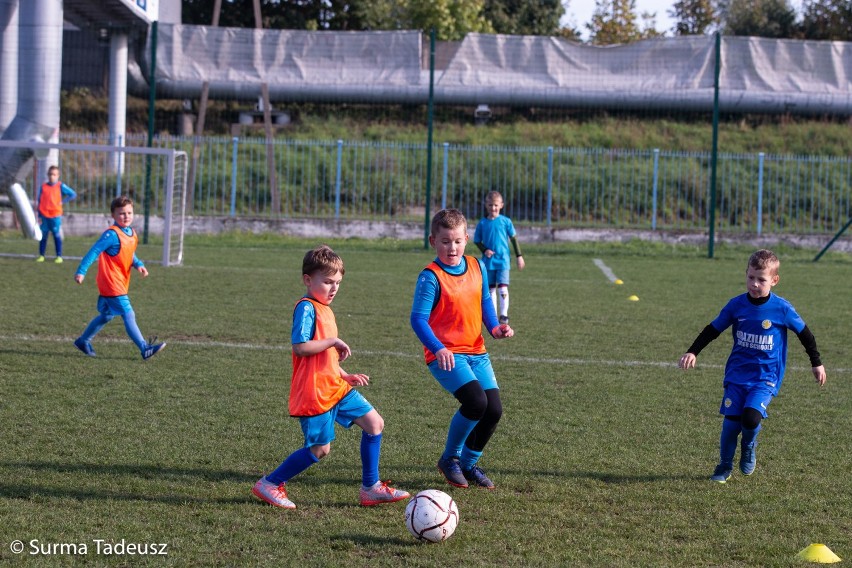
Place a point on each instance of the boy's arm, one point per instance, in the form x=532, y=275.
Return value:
x=708, y=334
x=425, y=294
x=808, y=341
x=108, y=239
x=481, y=246
x=67, y=193
x=519, y=257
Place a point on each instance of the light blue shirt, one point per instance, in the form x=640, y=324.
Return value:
x=495, y=235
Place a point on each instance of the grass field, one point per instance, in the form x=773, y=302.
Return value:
x=602, y=457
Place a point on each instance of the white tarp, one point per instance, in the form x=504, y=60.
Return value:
x=757, y=74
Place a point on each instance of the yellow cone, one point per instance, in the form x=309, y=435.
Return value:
x=633, y=298
x=818, y=553
x=619, y=281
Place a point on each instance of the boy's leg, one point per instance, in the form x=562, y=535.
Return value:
x=57, y=241
x=731, y=428
x=482, y=432
x=750, y=429
x=503, y=295
x=132, y=330
x=95, y=326
x=42, y=244
x=272, y=488
x=493, y=291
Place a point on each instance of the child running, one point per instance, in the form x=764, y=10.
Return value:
x=51, y=196
x=759, y=320
x=321, y=391
x=492, y=236
x=451, y=302
x=115, y=252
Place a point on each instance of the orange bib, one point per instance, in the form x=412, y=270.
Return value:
x=114, y=271
x=316, y=385
x=456, y=320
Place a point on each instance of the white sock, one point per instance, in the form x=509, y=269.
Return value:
x=494, y=297
x=504, y=301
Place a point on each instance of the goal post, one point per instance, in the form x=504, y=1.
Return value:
x=99, y=173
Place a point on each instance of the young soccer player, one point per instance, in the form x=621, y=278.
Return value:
x=115, y=252
x=51, y=195
x=492, y=236
x=759, y=320
x=321, y=391
x=451, y=302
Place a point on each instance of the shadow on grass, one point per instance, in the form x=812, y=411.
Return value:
x=136, y=470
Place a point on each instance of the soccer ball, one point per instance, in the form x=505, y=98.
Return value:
x=431, y=515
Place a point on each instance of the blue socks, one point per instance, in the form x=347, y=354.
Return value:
x=728, y=442
x=133, y=330
x=750, y=436
x=296, y=463
x=95, y=326
x=371, y=447
x=460, y=429
x=469, y=458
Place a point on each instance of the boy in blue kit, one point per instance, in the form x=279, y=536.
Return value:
x=115, y=252
x=51, y=196
x=755, y=368
x=451, y=302
x=492, y=236
x=321, y=393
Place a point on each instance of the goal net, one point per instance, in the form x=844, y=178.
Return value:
x=155, y=178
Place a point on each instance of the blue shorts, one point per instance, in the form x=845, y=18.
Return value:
x=468, y=368
x=496, y=277
x=114, y=305
x=319, y=429
x=738, y=397
x=51, y=225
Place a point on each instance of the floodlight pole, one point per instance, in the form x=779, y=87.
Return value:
x=715, y=149
x=430, y=115
x=152, y=99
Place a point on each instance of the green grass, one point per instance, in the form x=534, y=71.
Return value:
x=601, y=458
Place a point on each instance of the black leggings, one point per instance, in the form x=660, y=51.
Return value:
x=750, y=418
x=481, y=405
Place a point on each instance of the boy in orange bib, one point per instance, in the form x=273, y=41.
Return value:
x=115, y=252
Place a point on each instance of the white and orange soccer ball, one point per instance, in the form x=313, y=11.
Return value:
x=432, y=516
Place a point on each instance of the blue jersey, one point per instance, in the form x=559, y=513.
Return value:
x=759, y=353
x=304, y=323
x=495, y=235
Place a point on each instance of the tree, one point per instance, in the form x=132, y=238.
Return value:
x=451, y=19
x=762, y=18
x=693, y=17
x=615, y=21
x=827, y=20
x=276, y=14
x=521, y=17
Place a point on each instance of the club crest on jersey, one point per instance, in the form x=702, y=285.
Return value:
x=728, y=403
x=766, y=324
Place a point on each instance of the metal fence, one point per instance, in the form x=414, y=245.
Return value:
x=544, y=186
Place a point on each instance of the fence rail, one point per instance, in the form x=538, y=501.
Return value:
x=560, y=187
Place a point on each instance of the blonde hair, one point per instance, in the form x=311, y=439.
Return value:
x=763, y=259
x=448, y=219
x=322, y=259
x=492, y=194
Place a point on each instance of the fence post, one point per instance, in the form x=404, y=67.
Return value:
x=234, y=141
x=549, y=185
x=444, y=182
x=654, y=198
x=759, y=193
x=337, y=181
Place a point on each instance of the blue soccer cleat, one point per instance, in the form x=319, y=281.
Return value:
x=452, y=471
x=721, y=474
x=475, y=476
x=84, y=346
x=748, y=459
x=152, y=349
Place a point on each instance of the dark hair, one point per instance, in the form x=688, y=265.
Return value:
x=119, y=202
x=448, y=219
x=51, y=168
x=764, y=259
x=322, y=259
